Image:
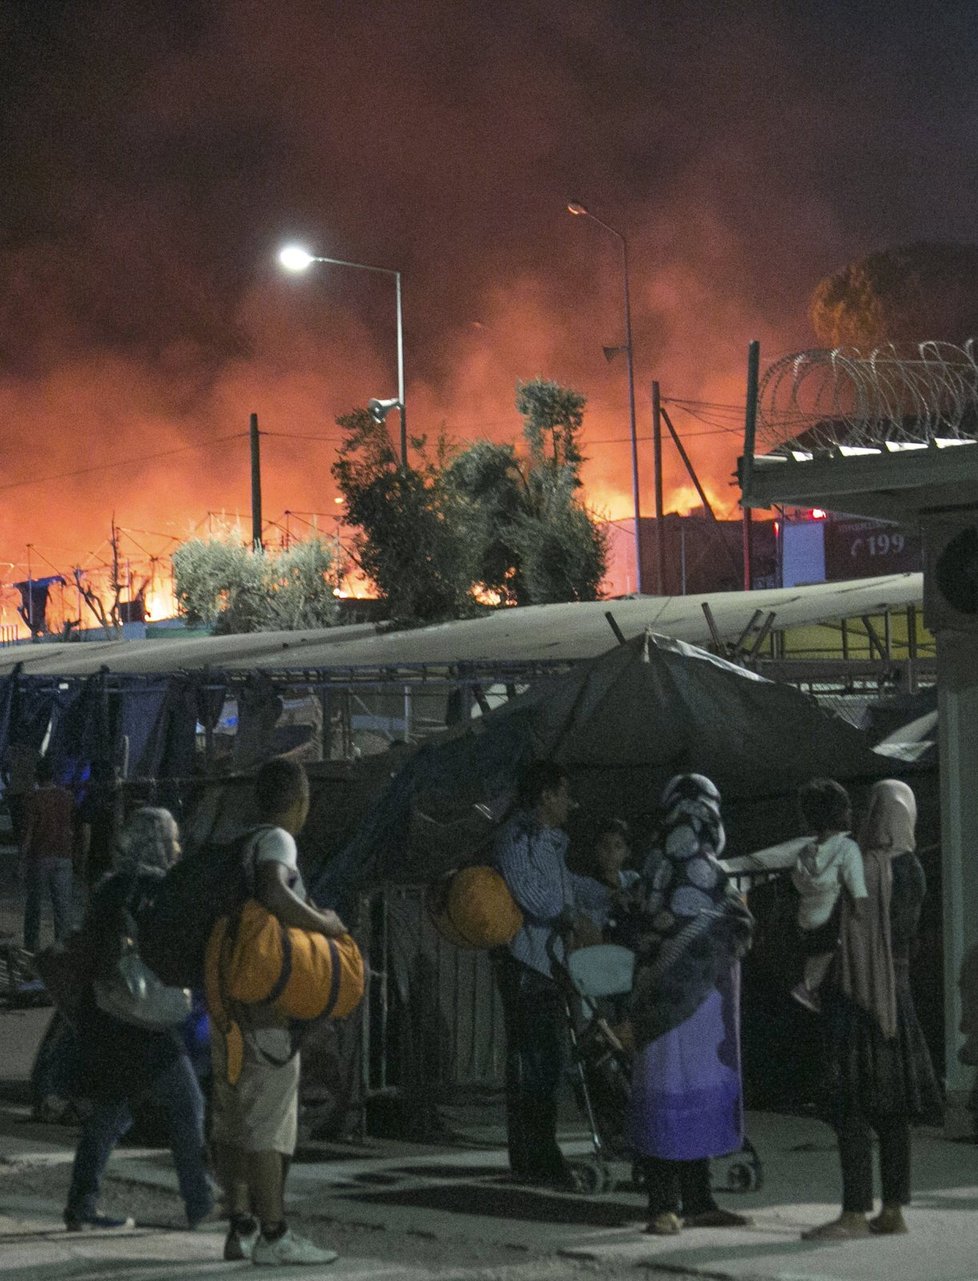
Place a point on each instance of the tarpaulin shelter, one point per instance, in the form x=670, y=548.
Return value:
x=622, y=724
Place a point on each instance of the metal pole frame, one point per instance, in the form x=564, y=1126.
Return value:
x=256, y=521
x=750, y=431
x=387, y=271
x=660, y=545
x=636, y=500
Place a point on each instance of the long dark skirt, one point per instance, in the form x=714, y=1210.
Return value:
x=875, y=1075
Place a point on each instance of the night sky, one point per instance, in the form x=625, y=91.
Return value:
x=155, y=155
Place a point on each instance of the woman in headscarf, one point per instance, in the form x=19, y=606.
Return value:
x=688, y=929
x=121, y=1063
x=881, y=1073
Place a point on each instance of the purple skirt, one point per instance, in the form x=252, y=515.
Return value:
x=686, y=1100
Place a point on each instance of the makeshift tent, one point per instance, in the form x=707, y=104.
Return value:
x=622, y=724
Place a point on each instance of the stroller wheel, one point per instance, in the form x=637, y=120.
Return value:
x=742, y=1177
x=595, y=1178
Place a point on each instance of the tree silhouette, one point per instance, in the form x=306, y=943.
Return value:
x=906, y=294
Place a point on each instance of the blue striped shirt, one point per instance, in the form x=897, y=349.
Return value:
x=531, y=860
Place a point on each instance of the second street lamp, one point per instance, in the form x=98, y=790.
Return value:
x=295, y=258
x=581, y=211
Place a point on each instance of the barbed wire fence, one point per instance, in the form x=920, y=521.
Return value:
x=822, y=399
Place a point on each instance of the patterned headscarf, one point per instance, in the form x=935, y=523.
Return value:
x=150, y=841
x=681, y=871
x=687, y=926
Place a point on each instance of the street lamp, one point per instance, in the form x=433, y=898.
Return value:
x=295, y=258
x=581, y=211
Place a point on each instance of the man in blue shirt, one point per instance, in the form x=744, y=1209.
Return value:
x=530, y=852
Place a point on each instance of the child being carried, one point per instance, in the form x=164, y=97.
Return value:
x=830, y=861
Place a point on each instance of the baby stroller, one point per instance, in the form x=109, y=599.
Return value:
x=591, y=980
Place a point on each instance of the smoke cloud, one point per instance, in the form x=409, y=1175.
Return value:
x=157, y=156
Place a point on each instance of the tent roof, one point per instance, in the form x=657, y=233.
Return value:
x=568, y=632
x=622, y=724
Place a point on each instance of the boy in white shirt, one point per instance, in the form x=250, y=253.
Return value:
x=832, y=860
x=255, y=1120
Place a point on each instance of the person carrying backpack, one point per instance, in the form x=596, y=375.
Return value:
x=120, y=1062
x=255, y=1119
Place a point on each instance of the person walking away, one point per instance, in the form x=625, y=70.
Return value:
x=830, y=863
x=121, y=1063
x=688, y=928
x=100, y=820
x=19, y=777
x=48, y=845
x=530, y=855
x=255, y=1120
x=881, y=1075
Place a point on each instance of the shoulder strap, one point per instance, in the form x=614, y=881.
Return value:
x=245, y=844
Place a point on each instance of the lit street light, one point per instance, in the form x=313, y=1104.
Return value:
x=581, y=211
x=295, y=258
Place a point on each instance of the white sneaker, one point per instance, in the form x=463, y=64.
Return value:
x=290, y=1248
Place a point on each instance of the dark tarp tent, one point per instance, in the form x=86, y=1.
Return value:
x=622, y=724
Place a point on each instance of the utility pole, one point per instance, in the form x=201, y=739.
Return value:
x=660, y=542
x=750, y=428
x=256, y=541
x=30, y=594
x=707, y=505
x=116, y=583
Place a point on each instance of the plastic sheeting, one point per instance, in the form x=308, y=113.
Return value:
x=622, y=725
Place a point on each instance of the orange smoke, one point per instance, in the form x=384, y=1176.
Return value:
x=99, y=441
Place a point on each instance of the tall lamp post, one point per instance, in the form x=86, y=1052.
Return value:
x=581, y=211
x=295, y=258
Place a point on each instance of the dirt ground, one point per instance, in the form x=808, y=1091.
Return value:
x=47, y=1181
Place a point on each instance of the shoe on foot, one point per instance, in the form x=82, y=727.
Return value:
x=240, y=1243
x=717, y=1218
x=94, y=1221
x=806, y=997
x=848, y=1227
x=666, y=1224
x=889, y=1222
x=290, y=1248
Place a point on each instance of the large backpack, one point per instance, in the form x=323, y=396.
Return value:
x=175, y=924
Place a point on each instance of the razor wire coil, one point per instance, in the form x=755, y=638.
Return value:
x=823, y=399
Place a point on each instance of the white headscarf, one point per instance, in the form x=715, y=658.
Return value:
x=890, y=820
x=150, y=841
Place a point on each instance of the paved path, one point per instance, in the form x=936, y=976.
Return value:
x=453, y=1195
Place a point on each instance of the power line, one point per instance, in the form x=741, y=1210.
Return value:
x=288, y=435
x=122, y=462
x=716, y=430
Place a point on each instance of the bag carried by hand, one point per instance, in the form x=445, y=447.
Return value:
x=253, y=959
x=130, y=991
x=134, y=994
x=473, y=908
